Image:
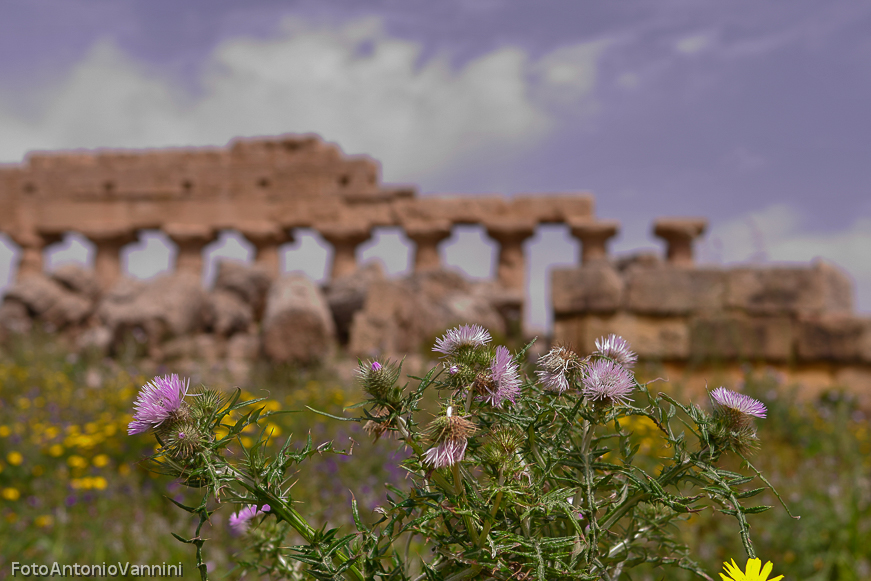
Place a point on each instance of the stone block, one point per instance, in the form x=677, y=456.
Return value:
x=652, y=338
x=249, y=282
x=589, y=289
x=731, y=337
x=230, y=314
x=795, y=290
x=78, y=279
x=297, y=324
x=674, y=291
x=831, y=337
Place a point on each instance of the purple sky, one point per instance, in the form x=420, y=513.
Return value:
x=753, y=114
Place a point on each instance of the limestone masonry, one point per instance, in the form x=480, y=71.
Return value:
x=686, y=321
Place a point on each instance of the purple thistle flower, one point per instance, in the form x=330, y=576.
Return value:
x=462, y=336
x=157, y=401
x=504, y=379
x=454, y=369
x=376, y=366
x=608, y=383
x=239, y=521
x=739, y=409
x=616, y=348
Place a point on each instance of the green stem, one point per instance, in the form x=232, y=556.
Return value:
x=493, y=510
x=460, y=491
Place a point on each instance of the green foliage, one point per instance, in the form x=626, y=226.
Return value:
x=545, y=487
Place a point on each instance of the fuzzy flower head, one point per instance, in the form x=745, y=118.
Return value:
x=450, y=434
x=501, y=381
x=735, y=409
x=615, y=347
x=464, y=337
x=240, y=521
x=754, y=571
x=557, y=368
x=607, y=383
x=158, y=401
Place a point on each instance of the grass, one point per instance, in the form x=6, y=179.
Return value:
x=73, y=488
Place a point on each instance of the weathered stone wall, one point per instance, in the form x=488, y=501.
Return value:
x=701, y=323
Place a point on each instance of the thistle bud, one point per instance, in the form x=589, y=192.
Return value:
x=378, y=380
x=500, y=449
x=205, y=403
x=183, y=439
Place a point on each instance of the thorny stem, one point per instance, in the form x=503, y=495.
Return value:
x=461, y=493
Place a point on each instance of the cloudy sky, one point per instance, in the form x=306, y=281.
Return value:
x=753, y=114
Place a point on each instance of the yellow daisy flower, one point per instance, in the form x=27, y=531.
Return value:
x=753, y=572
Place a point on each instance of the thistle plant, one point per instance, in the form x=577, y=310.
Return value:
x=515, y=476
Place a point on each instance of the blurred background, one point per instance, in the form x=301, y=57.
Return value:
x=753, y=115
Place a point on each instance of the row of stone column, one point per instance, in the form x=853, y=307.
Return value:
x=191, y=239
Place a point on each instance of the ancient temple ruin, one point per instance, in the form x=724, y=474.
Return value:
x=263, y=188
x=683, y=318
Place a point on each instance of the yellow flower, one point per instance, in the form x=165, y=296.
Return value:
x=43, y=521
x=11, y=493
x=99, y=483
x=55, y=450
x=100, y=460
x=753, y=572
x=4, y=431
x=14, y=458
x=76, y=462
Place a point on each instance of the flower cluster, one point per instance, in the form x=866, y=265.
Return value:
x=606, y=381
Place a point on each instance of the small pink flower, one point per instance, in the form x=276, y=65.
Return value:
x=240, y=521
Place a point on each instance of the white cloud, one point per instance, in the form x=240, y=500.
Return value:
x=779, y=233
x=420, y=119
x=694, y=44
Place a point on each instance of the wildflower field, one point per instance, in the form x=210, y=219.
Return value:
x=74, y=487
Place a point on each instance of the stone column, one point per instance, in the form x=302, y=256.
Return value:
x=267, y=237
x=109, y=240
x=345, y=238
x=679, y=234
x=32, y=245
x=510, y=234
x=190, y=239
x=426, y=237
x=594, y=236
